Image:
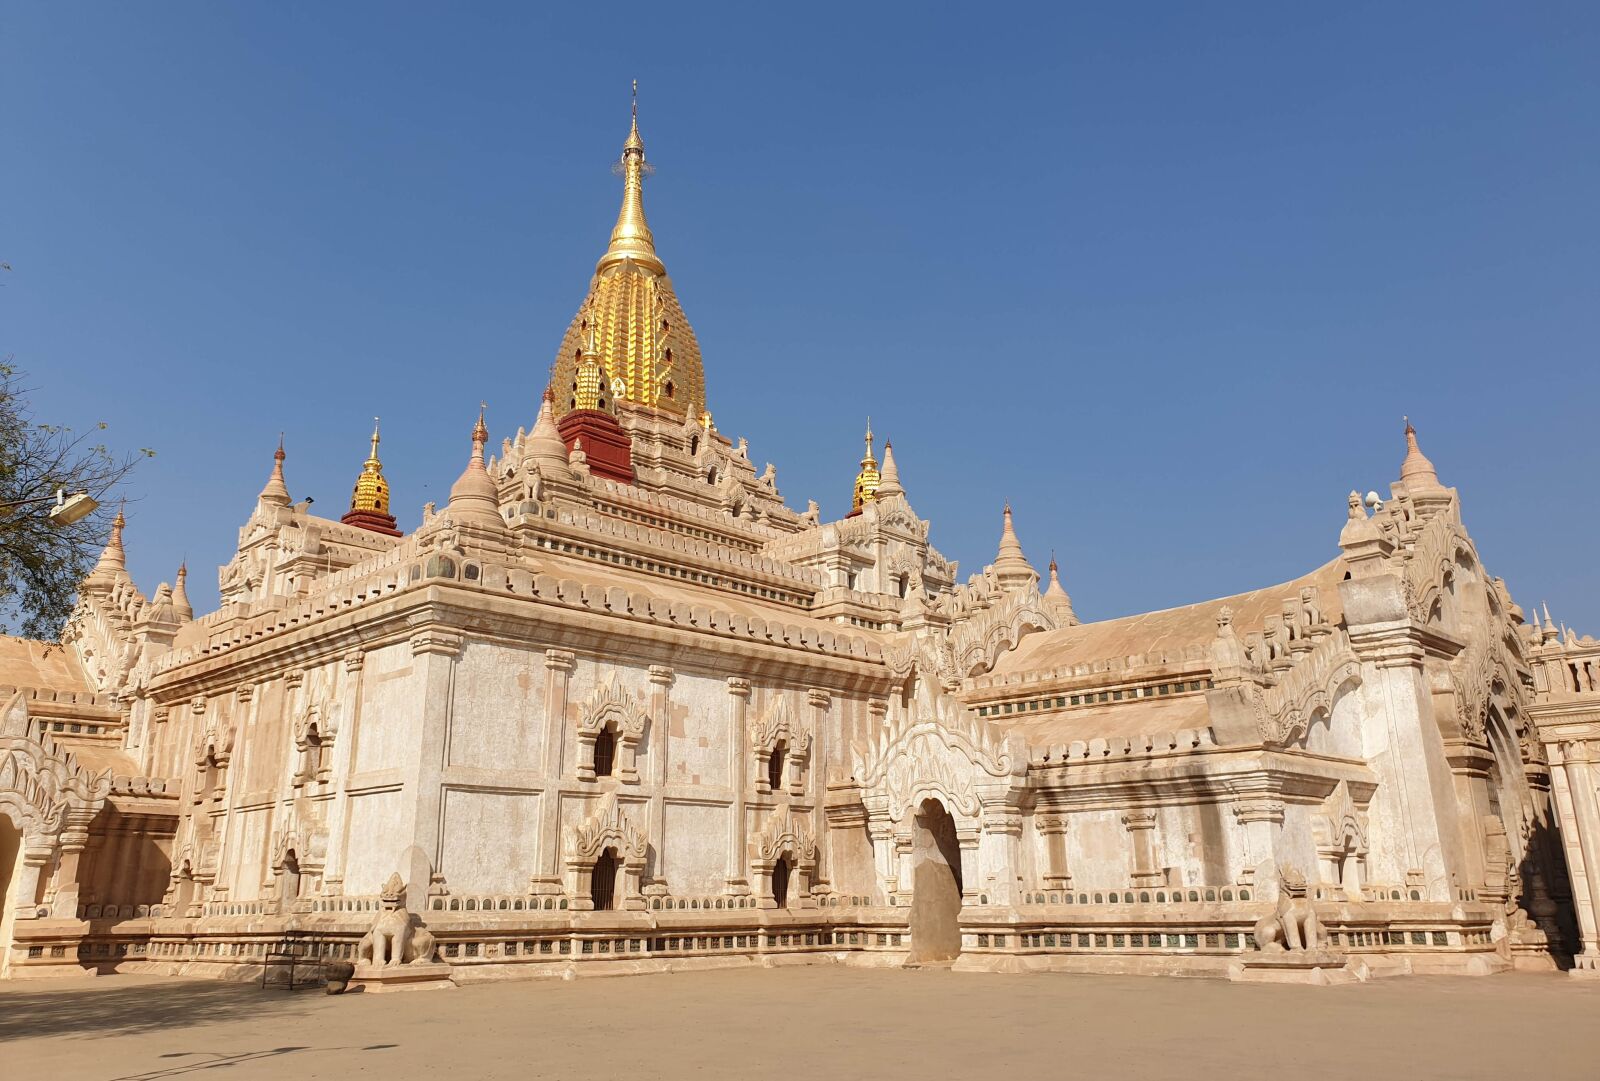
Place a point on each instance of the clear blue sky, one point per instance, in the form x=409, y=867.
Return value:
x=1165, y=278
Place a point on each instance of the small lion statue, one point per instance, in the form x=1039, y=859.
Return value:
x=397, y=937
x=1292, y=925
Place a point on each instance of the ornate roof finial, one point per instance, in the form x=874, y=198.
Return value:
x=889, y=476
x=1011, y=567
x=473, y=497
x=372, y=490
x=276, y=492
x=180, y=594
x=1057, y=594
x=545, y=445
x=112, y=563
x=630, y=237
x=369, y=501
x=1416, y=472
x=868, y=479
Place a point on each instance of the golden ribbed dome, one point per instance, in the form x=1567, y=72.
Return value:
x=631, y=323
x=371, y=491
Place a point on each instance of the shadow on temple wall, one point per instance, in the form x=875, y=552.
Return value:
x=1546, y=892
x=108, y=1007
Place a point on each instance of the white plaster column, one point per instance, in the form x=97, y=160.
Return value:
x=880, y=831
x=661, y=680
x=343, y=768
x=558, y=664
x=1412, y=816
x=65, y=887
x=36, y=856
x=1000, y=847
x=1261, y=818
x=434, y=652
x=739, y=771
x=905, y=868
x=1053, y=828
x=968, y=841
x=1574, y=777
x=1141, y=827
x=816, y=767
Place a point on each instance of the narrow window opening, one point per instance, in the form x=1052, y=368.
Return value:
x=780, y=883
x=603, y=889
x=775, y=766
x=605, y=752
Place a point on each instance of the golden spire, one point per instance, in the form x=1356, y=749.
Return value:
x=371, y=491
x=589, y=386
x=868, y=479
x=630, y=238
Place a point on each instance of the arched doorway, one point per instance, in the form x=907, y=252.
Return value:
x=780, y=882
x=603, y=883
x=10, y=869
x=935, y=887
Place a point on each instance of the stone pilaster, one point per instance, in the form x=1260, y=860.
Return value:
x=347, y=730
x=661, y=680
x=999, y=847
x=434, y=652
x=1053, y=829
x=821, y=702
x=1573, y=773
x=1141, y=827
x=738, y=708
x=1412, y=815
x=558, y=665
x=1261, y=818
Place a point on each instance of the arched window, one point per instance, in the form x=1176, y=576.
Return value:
x=603, y=883
x=902, y=583
x=605, y=752
x=775, y=766
x=669, y=390
x=780, y=883
x=694, y=445
x=291, y=876
x=711, y=475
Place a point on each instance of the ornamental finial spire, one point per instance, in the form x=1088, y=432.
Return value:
x=630, y=237
x=868, y=479
x=369, y=500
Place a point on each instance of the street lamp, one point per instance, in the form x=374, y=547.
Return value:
x=72, y=508
x=68, y=509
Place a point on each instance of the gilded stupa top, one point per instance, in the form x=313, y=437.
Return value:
x=371, y=491
x=630, y=341
x=868, y=479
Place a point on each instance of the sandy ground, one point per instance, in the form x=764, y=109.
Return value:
x=823, y=1022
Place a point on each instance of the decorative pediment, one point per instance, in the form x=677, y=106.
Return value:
x=608, y=827
x=937, y=749
x=1339, y=825
x=978, y=639
x=41, y=784
x=609, y=704
x=777, y=724
x=785, y=834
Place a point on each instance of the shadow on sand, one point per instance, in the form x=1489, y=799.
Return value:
x=93, y=1009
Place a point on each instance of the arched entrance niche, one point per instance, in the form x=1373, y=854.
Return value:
x=780, y=882
x=603, y=882
x=936, y=885
x=10, y=872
